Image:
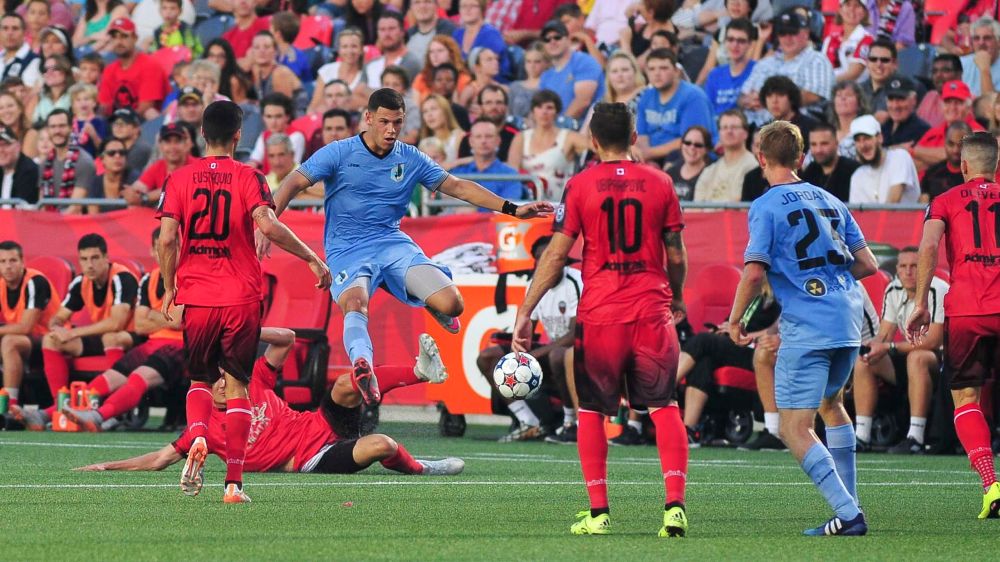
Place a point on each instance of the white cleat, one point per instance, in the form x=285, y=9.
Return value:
x=444, y=467
x=193, y=475
x=429, y=366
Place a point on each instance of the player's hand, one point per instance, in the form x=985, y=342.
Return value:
x=521, y=341
x=917, y=324
x=737, y=334
x=878, y=351
x=535, y=209
x=98, y=467
x=769, y=342
x=322, y=273
x=263, y=245
x=679, y=310
x=61, y=334
x=168, y=303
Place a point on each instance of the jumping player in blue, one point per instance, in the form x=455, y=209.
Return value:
x=369, y=179
x=812, y=251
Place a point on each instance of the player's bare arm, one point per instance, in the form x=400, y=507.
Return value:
x=166, y=251
x=750, y=286
x=280, y=341
x=148, y=320
x=155, y=460
x=116, y=321
x=472, y=192
x=547, y=275
x=864, y=264
x=676, y=270
x=28, y=320
x=276, y=231
x=920, y=318
x=293, y=184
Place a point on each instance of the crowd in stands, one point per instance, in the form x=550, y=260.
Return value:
x=103, y=98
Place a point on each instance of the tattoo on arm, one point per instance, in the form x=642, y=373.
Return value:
x=673, y=240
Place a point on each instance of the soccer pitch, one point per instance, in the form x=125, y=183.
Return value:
x=513, y=502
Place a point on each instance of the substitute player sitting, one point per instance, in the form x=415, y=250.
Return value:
x=322, y=441
x=369, y=180
x=812, y=251
x=630, y=219
x=967, y=215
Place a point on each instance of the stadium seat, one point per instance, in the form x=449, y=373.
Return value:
x=307, y=124
x=916, y=61
x=150, y=130
x=875, y=285
x=710, y=295
x=169, y=57
x=734, y=377
x=132, y=265
x=58, y=270
x=693, y=58
x=213, y=27
x=314, y=30
x=516, y=55
x=940, y=16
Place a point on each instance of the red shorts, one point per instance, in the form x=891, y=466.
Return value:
x=971, y=349
x=637, y=359
x=223, y=337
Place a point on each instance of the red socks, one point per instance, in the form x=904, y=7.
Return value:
x=403, y=461
x=974, y=433
x=395, y=376
x=114, y=353
x=238, y=415
x=123, y=399
x=198, y=406
x=56, y=374
x=672, y=445
x=99, y=386
x=592, y=444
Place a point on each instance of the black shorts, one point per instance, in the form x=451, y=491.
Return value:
x=338, y=458
x=166, y=357
x=92, y=346
x=711, y=352
x=138, y=339
x=345, y=422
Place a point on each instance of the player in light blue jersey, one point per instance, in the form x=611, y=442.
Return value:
x=369, y=179
x=810, y=248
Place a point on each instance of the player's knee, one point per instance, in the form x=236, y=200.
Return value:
x=920, y=361
x=50, y=342
x=110, y=339
x=7, y=345
x=453, y=307
x=381, y=446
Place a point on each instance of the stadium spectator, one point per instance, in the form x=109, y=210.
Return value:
x=956, y=105
x=57, y=78
x=337, y=125
x=112, y=182
x=394, y=77
x=37, y=16
x=364, y=15
x=440, y=51
x=527, y=26
x=576, y=77
x=270, y=77
x=475, y=32
x=427, y=26
x=203, y=76
x=284, y=29
x=906, y=366
x=849, y=103
x=67, y=171
x=90, y=70
x=724, y=83
x=444, y=80
x=348, y=68
x=894, y=20
x=847, y=47
x=886, y=175
x=247, y=26
x=280, y=159
x=336, y=94
x=485, y=70
x=947, y=174
x=234, y=83
x=90, y=128
x=635, y=39
x=623, y=82
x=17, y=59
x=945, y=68
x=12, y=115
x=175, y=144
x=696, y=149
x=828, y=169
x=502, y=13
x=668, y=108
x=796, y=59
x=125, y=126
x=521, y=91
x=700, y=356
x=883, y=67
x=903, y=128
x=172, y=32
x=18, y=173
x=783, y=100
x=93, y=30
x=394, y=52
x=278, y=115
x=436, y=119
x=546, y=150
x=493, y=107
x=135, y=80
x=107, y=292
x=981, y=68
x=28, y=302
x=722, y=181
x=606, y=20
x=582, y=39
x=484, y=142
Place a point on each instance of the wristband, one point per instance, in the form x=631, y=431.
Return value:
x=509, y=209
x=892, y=347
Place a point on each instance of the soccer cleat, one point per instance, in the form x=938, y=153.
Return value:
x=675, y=523
x=89, y=420
x=565, y=435
x=235, y=494
x=522, y=433
x=908, y=446
x=837, y=527
x=765, y=441
x=629, y=436
x=33, y=420
x=429, y=366
x=365, y=382
x=862, y=446
x=192, y=477
x=444, y=467
x=694, y=438
x=590, y=525
x=991, y=503
x=447, y=322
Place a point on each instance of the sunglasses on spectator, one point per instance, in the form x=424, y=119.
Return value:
x=883, y=60
x=115, y=152
x=552, y=38
x=694, y=144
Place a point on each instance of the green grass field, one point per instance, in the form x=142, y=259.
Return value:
x=513, y=502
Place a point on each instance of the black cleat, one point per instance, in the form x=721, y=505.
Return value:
x=765, y=441
x=908, y=446
x=629, y=436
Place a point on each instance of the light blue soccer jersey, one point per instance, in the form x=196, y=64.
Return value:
x=807, y=238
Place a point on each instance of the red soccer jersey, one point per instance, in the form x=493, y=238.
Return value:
x=144, y=81
x=622, y=209
x=213, y=200
x=156, y=174
x=971, y=214
x=278, y=434
x=240, y=39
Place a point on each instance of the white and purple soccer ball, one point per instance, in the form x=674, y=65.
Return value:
x=517, y=375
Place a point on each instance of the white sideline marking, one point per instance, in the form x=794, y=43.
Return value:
x=134, y=445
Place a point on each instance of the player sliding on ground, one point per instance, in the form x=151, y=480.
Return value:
x=630, y=219
x=369, y=179
x=811, y=250
x=322, y=441
x=968, y=215
x=218, y=278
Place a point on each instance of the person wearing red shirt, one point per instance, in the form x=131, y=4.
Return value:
x=968, y=216
x=634, y=263
x=241, y=35
x=956, y=105
x=135, y=80
x=175, y=145
x=218, y=280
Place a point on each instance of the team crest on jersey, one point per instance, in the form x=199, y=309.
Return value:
x=341, y=277
x=397, y=172
x=562, y=307
x=560, y=213
x=815, y=287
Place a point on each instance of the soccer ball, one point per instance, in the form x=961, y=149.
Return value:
x=517, y=375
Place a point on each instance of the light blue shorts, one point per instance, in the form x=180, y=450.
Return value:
x=804, y=377
x=384, y=262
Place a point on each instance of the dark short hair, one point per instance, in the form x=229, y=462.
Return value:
x=286, y=24
x=280, y=100
x=670, y=36
x=909, y=250
x=744, y=25
x=109, y=140
x=337, y=112
x=823, y=126
x=220, y=122
x=399, y=72
x=979, y=149
x=612, y=125
x=546, y=96
x=178, y=2
x=8, y=245
x=392, y=15
x=737, y=113
x=92, y=240
x=387, y=98
x=662, y=54
x=59, y=111
x=572, y=10
x=952, y=59
x=885, y=43
x=14, y=15
x=496, y=88
x=93, y=58
x=781, y=85
x=444, y=67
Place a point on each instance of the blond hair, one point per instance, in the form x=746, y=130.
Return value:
x=781, y=144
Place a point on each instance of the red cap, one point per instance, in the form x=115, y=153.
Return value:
x=955, y=89
x=123, y=25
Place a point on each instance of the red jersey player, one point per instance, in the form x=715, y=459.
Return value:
x=630, y=219
x=217, y=201
x=969, y=214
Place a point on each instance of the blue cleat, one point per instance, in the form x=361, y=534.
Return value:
x=838, y=527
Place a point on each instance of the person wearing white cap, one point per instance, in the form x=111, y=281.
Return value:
x=886, y=175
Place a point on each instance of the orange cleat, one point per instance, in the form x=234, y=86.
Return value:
x=235, y=494
x=192, y=477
